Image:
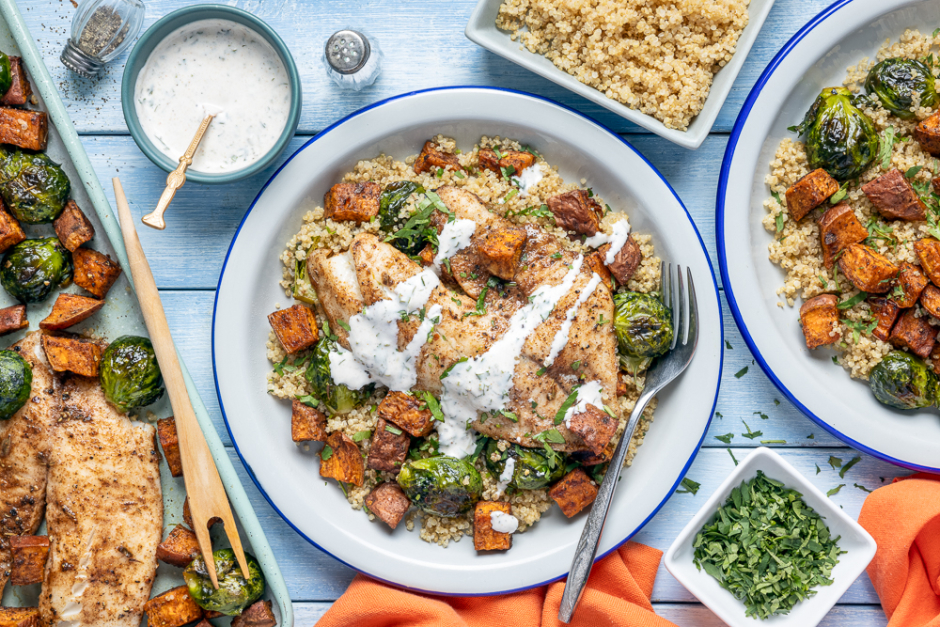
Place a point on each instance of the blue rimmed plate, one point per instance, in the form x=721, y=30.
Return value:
x=816, y=57
x=248, y=291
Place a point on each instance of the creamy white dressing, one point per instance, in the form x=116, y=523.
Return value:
x=561, y=338
x=528, y=178
x=214, y=67
x=501, y=522
x=588, y=394
x=454, y=238
x=621, y=231
x=506, y=476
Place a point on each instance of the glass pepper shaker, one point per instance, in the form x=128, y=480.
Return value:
x=101, y=30
x=352, y=59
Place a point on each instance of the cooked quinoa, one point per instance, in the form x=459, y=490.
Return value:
x=654, y=56
x=796, y=246
x=318, y=232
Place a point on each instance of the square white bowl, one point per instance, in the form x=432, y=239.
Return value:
x=860, y=547
x=481, y=29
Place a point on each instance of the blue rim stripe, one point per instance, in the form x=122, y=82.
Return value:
x=723, y=261
x=333, y=126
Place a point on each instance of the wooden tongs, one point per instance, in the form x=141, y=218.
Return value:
x=207, y=498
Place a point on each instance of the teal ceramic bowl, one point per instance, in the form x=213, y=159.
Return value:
x=155, y=34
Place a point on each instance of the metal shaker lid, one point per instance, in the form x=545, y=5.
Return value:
x=347, y=51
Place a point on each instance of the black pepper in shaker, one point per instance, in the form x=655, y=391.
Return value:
x=101, y=30
x=352, y=59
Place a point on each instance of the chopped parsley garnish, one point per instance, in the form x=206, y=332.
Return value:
x=549, y=436
x=773, y=441
x=732, y=456
x=835, y=490
x=728, y=345
x=861, y=487
x=510, y=415
x=433, y=406
x=740, y=373
x=343, y=324
x=307, y=400
x=835, y=462
x=726, y=438
x=326, y=452
x=691, y=487
x=750, y=435
x=452, y=366
x=851, y=302
x=359, y=436
x=568, y=404
x=887, y=146
x=393, y=429
x=848, y=465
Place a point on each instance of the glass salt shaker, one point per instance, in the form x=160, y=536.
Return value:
x=352, y=59
x=101, y=30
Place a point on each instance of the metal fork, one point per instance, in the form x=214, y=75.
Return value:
x=663, y=371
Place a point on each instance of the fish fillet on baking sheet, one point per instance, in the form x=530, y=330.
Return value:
x=25, y=442
x=104, y=514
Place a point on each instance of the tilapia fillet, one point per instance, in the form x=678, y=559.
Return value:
x=104, y=514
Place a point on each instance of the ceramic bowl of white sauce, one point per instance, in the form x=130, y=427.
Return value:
x=219, y=60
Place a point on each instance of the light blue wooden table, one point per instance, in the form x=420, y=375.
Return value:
x=424, y=47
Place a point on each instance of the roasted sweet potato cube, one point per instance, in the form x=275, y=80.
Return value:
x=595, y=261
x=838, y=228
x=170, y=443
x=595, y=426
x=576, y=211
x=809, y=192
x=307, y=423
x=29, y=555
x=179, y=548
x=389, y=447
x=26, y=129
x=625, y=262
x=587, y=458
x=518, y=160
x=13, y=318
x=258, y=614
x=911, y=282
x=885, y=312
x=358, y=202
x=11, y=233
x=927, y=134
x=173, y=608
x=935, y=183
x=501, y=250
x=866, y=269
x=72, y=227
x=340, y=459
x=930, y=300
x=70, y=309
x=484, y=537
x=388, y=502
x=20, y=617
x=928, y=253
x=894, y=197
x=915, y=334
x=295, y=328
x=574, y=492
x=94, y=271
x=819, y=316
x=426, y=255
x=188, y=519
x=66, y=354
x=430, y=159
x=407, y=412
x=20, y=90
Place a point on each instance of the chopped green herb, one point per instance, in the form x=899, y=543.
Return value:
x=460, y=174
x=732, y=456
x=848, y=465
x=835, y=462
x=343, y=324
x=762, y=415
x=861, y=487
x=540, y=372
x=510, y=415
x=575, y=365
x=811, y=436
x=549, y=435
x=433, y=406
x=726, y=438
x=568, y=404
x=913, y=170
x=307, y=399
x=327, y=452
x=777, y=198
x=750, y=435
x=779, y=222
x=728, y=345
x=818, y=470
x=740, y=373
x=851, y=302
x=452, y=366
x=393, y=429
x=839, y=195
x=776, y=401
x=887, y=145
x=359, y=436
x=719, y=415
x=691, y=487
x=835, y=490
x=835, y=360
x=773, y=441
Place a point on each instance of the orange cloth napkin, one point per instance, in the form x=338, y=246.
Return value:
x=618, y=594
x=904, y=519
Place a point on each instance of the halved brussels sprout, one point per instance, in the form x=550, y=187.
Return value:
x=532, y=468
x=129, y=373
x=839, y=138
x=644, y=329
x=896, y=81
x=904, y=381
x=337, y=398
x=34, y=267
x=442, y=486
x=33, y=186
x=6, y=74
x=393, y=198
x=16, y=380
x=235, y=593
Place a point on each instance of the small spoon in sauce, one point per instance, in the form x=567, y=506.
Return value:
x=176, y=179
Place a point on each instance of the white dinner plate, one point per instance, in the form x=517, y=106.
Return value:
x=816, y=57
x=248, y=290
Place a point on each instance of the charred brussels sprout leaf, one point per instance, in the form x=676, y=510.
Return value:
x=393, y=198
x=33, y=186
x=839, y=138
x=644, y=329
x=903, y=381
x=441, y=486
x=6, y=74
x=532, y=469
x=16, y=380
x=34, y=267
x=235, y=593
x=895, y=83
x=338, y=399
x=129, y=373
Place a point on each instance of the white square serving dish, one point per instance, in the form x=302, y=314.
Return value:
x=481, y=29
x=860, y=547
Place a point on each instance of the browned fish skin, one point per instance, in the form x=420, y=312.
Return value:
x=105, y=513
x=25, y=441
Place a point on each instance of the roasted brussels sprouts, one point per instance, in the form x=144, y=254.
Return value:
x=904, y=381
x=33, y=186
x=338, y=399
x=235, y=593
x=34, y=267
x=129, y=373
x=896, y=81
x=442, y=486
x=16, y=380
x=839, y=138
x=393, y=198
x=644, y=329
x=532, y=468
x=6, y=74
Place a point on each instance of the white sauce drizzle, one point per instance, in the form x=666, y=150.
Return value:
x=621, y=230
x=501, y=522
x=588, y=394
x=506, y=476
x=561, y=338
x=454, y=238
x=528, y=178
